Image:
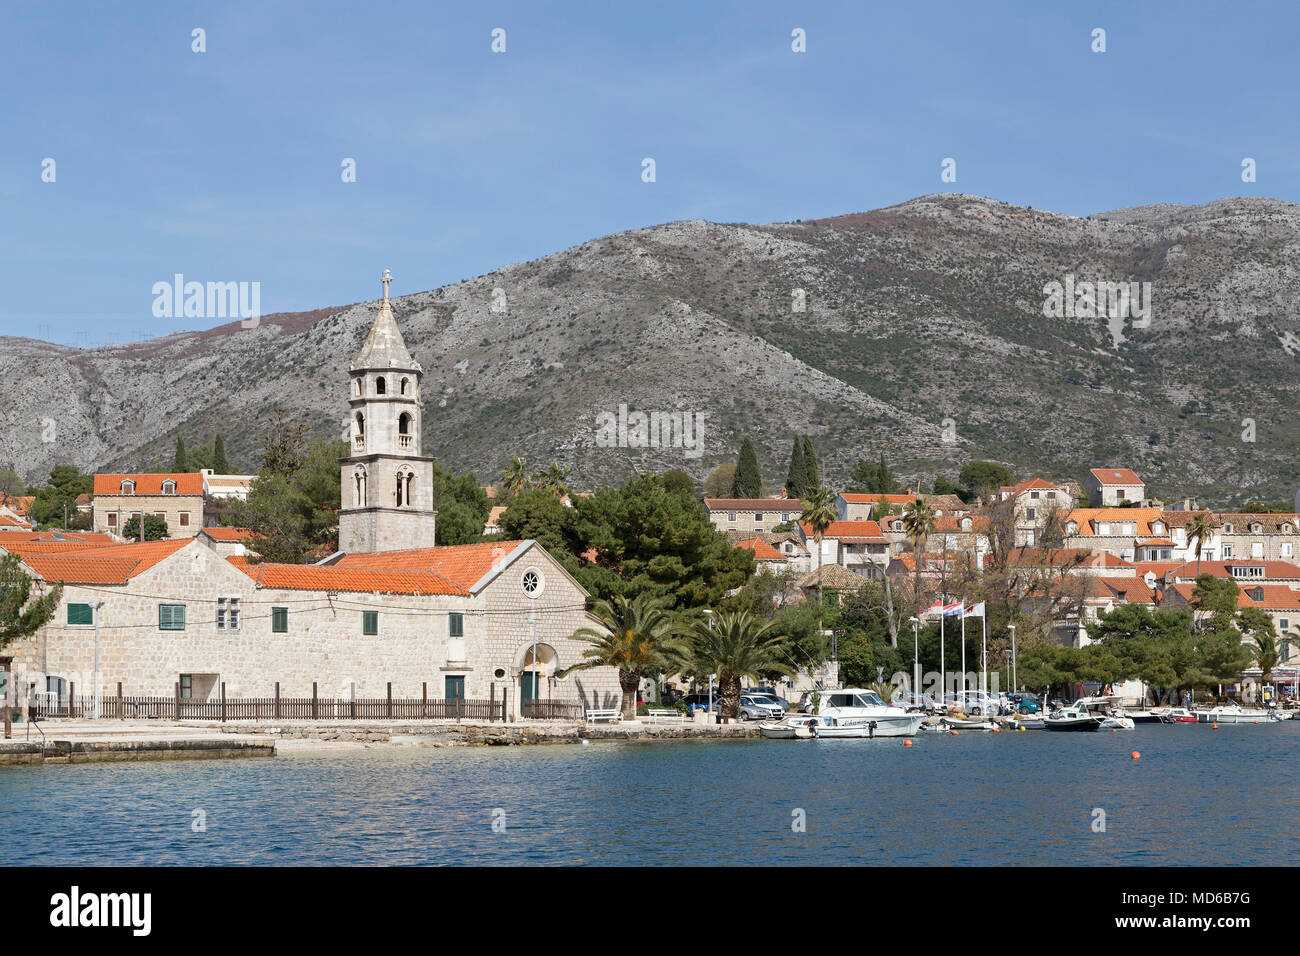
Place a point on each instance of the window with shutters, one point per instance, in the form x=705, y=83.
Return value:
x=369, y=623
x=279, y=620
x=80, y=615
x=171, y=617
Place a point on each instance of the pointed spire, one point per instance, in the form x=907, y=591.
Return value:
x=384, y=346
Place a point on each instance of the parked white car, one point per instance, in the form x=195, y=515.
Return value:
x=974, y=702
x=760, y=708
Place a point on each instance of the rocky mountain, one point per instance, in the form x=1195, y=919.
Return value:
x=926, y=330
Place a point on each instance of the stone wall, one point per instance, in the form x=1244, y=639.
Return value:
x=171, y=507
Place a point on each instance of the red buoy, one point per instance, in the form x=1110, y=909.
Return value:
x=1135, y=755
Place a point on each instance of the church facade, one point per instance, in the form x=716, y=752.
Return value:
x=481, y=621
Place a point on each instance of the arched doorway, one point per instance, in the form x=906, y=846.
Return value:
x=536, y=677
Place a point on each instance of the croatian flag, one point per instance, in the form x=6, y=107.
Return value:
x=975, y=611
x=953, y=610
x=947, y=610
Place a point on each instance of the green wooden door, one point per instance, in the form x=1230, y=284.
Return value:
x=528, y=682
x=455, y=688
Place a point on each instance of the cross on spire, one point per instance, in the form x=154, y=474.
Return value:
x=387, y=278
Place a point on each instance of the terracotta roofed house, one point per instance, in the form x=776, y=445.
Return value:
x=177, y=498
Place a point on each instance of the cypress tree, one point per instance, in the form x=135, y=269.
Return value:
x=794, y=477
x=179, y=462
x=749, y=483
x=811, y=479
x=886, y=483
x=220, y=463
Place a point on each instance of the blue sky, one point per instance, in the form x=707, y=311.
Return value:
x=225, y=165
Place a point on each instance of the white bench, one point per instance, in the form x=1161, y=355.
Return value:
x=595, y=716
x=665, y=716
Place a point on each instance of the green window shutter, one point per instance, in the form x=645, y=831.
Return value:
x=279, y=620
x=171, y=617
x=369, y=623
x=81, y=614
x=457, y=624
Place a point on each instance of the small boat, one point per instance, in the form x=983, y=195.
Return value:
x=1086, y=713
x=1116, y=721
x=1144, y=716
x=966, y=723
x=854, y=707
x=1232, y=714
x=1028, y=722
x=811, y=727
x=1177, y=715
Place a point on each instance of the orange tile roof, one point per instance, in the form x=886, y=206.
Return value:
x=1116, y=476
x=150, y=484
x=952, y=524
x=1088, y=518
x=230, y=534
x=858, y=532
x=1132, y=590
x=8, y=522
x=115, y=564
x=312, y=577
x=1277, y=570
x=463, y=564
x=1158, y=568
x=762, y=550
x=1274, y=597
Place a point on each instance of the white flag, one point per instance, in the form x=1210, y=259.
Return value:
x=976, y=611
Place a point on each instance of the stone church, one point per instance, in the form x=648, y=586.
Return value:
x=186, y=616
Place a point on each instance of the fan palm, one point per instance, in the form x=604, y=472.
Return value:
x=738, y=645
x=1201, y=527
x=1266, y=652
x=918, y=522
x=637, y=638
x=553, y=479
x=818, y=512
x=514, y=477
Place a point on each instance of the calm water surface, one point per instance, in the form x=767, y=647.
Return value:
x=1196, y=796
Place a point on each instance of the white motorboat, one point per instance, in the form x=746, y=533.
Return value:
x=810, y=727
x=1232, y=714
x=1028, y=722
x=1086, y=713
x=1177, y=715
x=960, y=723
x=854, y=707
x=1116, y=722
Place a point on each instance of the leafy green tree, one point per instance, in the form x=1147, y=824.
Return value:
x=873, y=479
x=1217, y=598
x=748, y=481
x=462, y=505
x=553, y=480
x=59, y=496
x=942, y=486
x=539, y=515
x=738, y=645
x=679, y=482
x=297, y=513
x=284, y=444
x=179, y=461
x=644, y=538
x=811, y=472
x=11, y=483
x=220, y=463
x=983, y=477
x=155, y=528
x=636, y=637
x=721, y=481
x=20, y=614
x=794, y=478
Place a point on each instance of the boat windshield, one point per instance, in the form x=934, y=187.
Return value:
x=869, y=699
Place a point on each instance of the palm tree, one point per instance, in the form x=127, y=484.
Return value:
x=918, y=522
x=1266, y=652
x=636, y=637
x=514, y=477
x=819, y=512
x=553, y=480
x=1201, y=527
x=738, y=645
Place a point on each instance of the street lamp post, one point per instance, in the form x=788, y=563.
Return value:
x=916, y=657
x=708, y=615
x=536, y=693
x=97, y=606
x=1012, y=629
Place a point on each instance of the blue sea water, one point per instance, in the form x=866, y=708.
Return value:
x=1195, y=797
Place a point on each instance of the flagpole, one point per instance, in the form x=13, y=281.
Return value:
x=984, y=647
x=963, y=650
x=943, y=668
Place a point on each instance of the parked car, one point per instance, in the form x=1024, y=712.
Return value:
x=759, y=708
x=914, y=701
x=768, y=695
x=974, y=702
x=1026, y=702
x=701, y=701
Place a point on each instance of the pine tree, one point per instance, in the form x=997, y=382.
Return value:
x=794, y=478
x=179, y=463
x=811, y=477
x=749, y=483
x=220, y=463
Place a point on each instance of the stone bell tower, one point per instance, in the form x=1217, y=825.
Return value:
x=387, y=502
